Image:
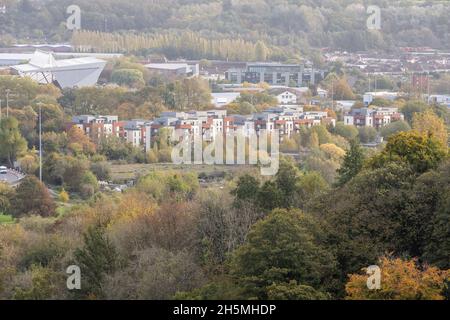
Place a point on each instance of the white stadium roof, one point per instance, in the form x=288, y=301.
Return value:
x=79, y=72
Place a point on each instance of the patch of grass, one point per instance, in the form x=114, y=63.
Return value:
x=124, y=172
x=63, y=208
x=6, y=219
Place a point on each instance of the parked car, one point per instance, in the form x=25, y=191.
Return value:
x=3, y=170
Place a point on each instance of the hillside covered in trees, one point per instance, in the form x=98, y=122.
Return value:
x=228, y=29
x=306, y=233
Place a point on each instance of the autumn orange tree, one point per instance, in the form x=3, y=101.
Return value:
x=400, y=280
x=32, y=198
x=79, y=142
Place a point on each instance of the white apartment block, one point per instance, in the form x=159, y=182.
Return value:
x=376, y=117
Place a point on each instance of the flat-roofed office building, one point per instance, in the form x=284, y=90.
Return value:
x=275, y=74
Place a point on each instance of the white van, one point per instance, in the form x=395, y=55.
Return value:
x=3, y=170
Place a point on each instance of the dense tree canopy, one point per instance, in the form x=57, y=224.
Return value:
x=420, y=151
x=281, y=248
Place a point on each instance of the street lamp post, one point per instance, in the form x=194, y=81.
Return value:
x=40, y=142
x=7, y=102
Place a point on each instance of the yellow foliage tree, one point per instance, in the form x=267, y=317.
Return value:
x=429, y=123
x=313, y=141
x=289, y=145
x=64, y=196
x=400, y=280
x=333, y=151
x=77, y=136
x=29, y=163
x=152, y=156
x=264, y=85
x=132, y=206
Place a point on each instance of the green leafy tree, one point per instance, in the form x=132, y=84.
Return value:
x=6, y=195
x=189, y=94
x=348, y=132
x=340, y=87
x=43, y=285
x=429, y=216
x=319, y=161
x=394, y=128
x=114, y=148
x=412, y=107
x=322, y=133
x=52, y=117
x=283, y=247
x=102, y=170
x=352, y=165
x=270, y=196
x=247, y=189
x=286, y=180
x=420, y=151
x=313, y=140
x=89, y=185
x=12, y=144
x=389, y=209
x=367, y=134
x=97, y=259
x=128, y=77
x=366, y=217
x=294, y=291
x=309, y=186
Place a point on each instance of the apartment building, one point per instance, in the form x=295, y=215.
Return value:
x=209, y=124
x=376, y=117
x=439, y=99
x=98, y=126
x=135, y=132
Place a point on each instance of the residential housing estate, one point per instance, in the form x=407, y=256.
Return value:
x=210, y=123
x=288, y=117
